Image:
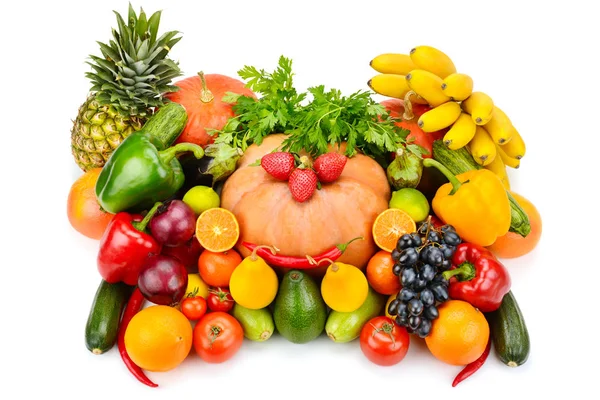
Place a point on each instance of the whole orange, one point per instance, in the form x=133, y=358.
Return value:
x=512, y=245
x=459, y=335
x=380, y=273
x=216, y=268
x=83, y=210
x=158, y=338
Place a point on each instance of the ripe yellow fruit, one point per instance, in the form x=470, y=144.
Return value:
x=253, y=283
x=432, y=60
x=482, y=147
x=196, y=285
x=480, y=106
x=499, y=127
x=428, y=86
x=393, y=63
x=439, y=117
x=461, y=133
x=390, y=85
x=457, y=86
x=508, y=161
x=498, y=168
x=344, y=287
x=515, y=147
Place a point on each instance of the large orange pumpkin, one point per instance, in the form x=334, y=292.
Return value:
x=201, y=97
x=337, y=213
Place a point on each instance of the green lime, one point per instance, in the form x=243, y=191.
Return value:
x=412, y=201
x=201, y=198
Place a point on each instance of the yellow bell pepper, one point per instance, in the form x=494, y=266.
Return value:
x=474, y=202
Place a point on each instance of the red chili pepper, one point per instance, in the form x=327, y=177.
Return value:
x=477, y=277
x=125, y=246
x=298, y=262
x=470, y=369
x=135, y=304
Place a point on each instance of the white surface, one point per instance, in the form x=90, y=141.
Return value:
x=539, y=63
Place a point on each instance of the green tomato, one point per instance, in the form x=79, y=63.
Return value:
x=201, y=198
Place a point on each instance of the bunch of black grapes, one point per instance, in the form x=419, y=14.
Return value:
x=420, y=259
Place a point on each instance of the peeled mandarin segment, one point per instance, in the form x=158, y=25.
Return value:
x=217, y=230
x=389, y=226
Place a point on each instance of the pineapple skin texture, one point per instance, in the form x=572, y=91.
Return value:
x=98, y=131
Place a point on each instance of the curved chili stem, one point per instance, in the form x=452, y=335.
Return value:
x=474, y=366
x=134, y=305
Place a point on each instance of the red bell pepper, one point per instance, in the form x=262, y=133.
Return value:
x=477, y=277
x=125, y=246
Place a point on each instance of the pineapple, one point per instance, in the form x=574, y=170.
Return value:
x=128, y=83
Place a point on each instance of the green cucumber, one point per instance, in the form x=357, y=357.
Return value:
x=460, y=161
x=103, y=320
x=343, y=327
x=258, y=324
x=167, y=124
x=509, y=332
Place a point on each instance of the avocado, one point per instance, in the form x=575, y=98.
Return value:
x=344, y=327
x=300, y=312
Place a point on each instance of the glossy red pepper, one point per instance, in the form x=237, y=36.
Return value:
x=477, y=277
x=299, y=262
x=124, y=247
x=135, y=304
x=471, y=368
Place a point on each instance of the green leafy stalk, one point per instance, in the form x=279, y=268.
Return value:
x=328, y=119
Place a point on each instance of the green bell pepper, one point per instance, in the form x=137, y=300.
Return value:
x=137, y=174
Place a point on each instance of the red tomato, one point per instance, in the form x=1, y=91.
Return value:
x=220, y=300
x=423, y=139
x=217, y=337
x=193, y=308
x=383, y=342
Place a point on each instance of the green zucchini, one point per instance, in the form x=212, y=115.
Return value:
x=167, y=124
x=509, y=332
x=460, y=161
x=105, y=314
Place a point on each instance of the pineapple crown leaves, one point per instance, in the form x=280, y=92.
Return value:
x=134, y=73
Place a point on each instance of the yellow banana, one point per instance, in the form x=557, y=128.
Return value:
x=428, y=86
x=439, y=117
x=482, y=147
x=498, y=168
x=515, y=147
x=457, y=86
x=390, y=85
x=499, y=127
x=480, y=106
x=393, y=63
x=508, y=161
x=432, y=60
x=461, y=133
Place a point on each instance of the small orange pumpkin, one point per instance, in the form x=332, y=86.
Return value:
x=338, y=212
x=201, y=97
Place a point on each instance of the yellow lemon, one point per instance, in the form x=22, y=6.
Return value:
x=196, y=287
x=253, y=283
x=344, y=287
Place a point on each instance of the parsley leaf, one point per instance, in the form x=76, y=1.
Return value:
x=328, y=119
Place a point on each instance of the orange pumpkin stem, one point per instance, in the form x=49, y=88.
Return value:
x=254, y=257
x=206, y=95
x=408, y=111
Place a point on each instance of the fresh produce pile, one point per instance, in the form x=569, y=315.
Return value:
x=234, y=209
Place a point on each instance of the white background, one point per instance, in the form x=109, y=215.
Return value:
x=539, y=63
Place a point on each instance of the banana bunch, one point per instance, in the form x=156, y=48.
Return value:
x=427, y=75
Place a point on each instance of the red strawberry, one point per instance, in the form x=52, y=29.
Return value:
x=329, y=166
x=302, y=184
x=279, y=165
